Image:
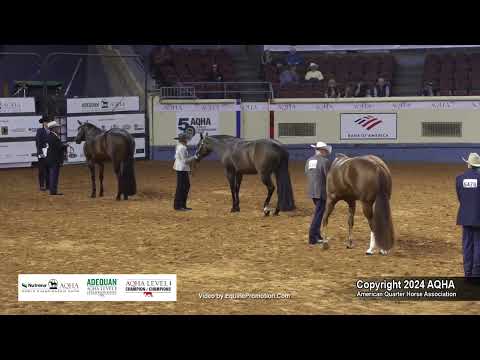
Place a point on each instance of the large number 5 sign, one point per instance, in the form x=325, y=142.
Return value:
x=184, y=126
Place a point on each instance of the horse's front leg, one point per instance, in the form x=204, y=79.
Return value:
x=231, y=181
x=100, y=176
x=267, y=180
x=91, y=166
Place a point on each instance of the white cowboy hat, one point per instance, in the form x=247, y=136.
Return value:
x=313, y=64
x=322, y=145
x=52, y=124
x=473, y=159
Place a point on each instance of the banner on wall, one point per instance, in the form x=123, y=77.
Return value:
x=133, y=123
x=359, y=47
x=368, y=126
x=76, y=154
x=18, y=152
x=108, y=104
x=17, y=105
x=194, y=123
x=18, y=126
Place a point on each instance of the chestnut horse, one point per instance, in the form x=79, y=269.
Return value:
x=367, y=179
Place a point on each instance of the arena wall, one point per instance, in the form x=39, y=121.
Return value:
x=452, y=126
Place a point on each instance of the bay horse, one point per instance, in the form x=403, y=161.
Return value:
x=115, y=145
x=367, y=179
x=241, y=157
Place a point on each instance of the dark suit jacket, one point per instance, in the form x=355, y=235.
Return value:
x=468, y=193
x=316, y=170
x=41, y=139
x=56, y=150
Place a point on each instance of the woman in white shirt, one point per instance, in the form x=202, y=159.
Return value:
x=182, y=167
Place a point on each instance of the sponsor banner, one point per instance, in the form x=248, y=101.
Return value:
x=17, y=105
x=18, y=152
x=378, y=106
x=97, y=287
x=107, y=104
x=18, y=126
x=133, y=123
x=194, y=123
x=368, y=126
x=254, y=106
x=76, y=154
x=196, y=107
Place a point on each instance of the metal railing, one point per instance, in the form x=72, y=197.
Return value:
x=195, y=90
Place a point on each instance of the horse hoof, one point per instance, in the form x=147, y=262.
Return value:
x=266, y=213
x=100, y=195
x=234, y=210
x=349, y=246
x=93, y=196
x=368, y=253
x=383, y=252
x=117, y=198
x=325, y=246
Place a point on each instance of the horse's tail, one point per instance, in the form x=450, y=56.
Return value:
x=286, y=201
x=127, y=172
x=382, y=215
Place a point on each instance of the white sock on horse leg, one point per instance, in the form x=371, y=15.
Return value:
x=371, y=249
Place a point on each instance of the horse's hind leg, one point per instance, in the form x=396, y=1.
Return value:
x=116, y=169
x=351, y=216
x=238, y=182
x=101, y=167
x=329, y=206
x=91, y=166
x=267, y=180
x=368, y=212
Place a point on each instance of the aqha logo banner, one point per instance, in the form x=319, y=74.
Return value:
x=368, y=126
x=197, y=122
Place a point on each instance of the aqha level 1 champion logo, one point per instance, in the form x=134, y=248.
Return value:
x=148, y=287
x=102, y=286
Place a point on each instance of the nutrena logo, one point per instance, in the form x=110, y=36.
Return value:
x=368, y=122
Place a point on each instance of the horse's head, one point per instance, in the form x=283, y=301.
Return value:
x=82, y=132
x=204, y=147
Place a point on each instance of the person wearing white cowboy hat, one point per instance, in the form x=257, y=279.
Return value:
x=55, y=156
x=182, y=168
x=313, y=73
x=468, y=194
x=316, y=170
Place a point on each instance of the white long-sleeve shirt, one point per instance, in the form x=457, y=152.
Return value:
x=181, y=158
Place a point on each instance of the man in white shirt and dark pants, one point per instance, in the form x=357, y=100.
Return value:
x=182, y=167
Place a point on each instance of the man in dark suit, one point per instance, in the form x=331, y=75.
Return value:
x=468, y=193
x=41, y=140
x=55, y=156
x=316, y=170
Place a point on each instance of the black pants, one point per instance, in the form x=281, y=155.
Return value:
x=43, y=180
x=471, y=251
x=54, y=173
x=183, y=187
x=314, y=233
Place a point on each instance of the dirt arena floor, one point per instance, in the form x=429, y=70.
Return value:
x=214, y=251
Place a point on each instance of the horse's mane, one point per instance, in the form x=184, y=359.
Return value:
x=91, y=126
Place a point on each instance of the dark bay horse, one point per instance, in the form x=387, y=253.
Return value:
x=116, y=145
x=368, y=179
x=241, y=157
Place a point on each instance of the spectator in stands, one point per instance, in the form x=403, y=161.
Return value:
x=293, y=58
x=267, y=58
x=382, y=89
x=332, y=89
x=215, y=75
x=289, y=76
x=349, y=91
x=313, y=74
x=362, y=90
x=428, y=89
